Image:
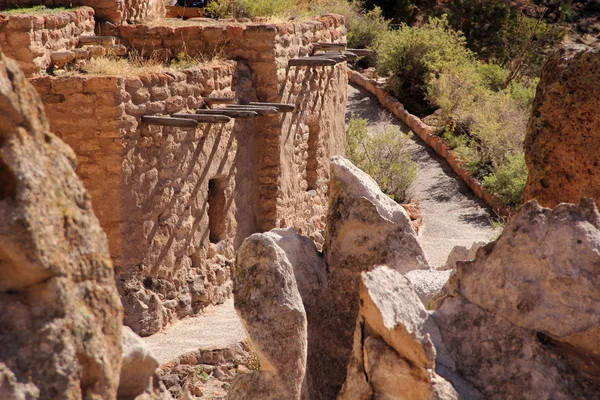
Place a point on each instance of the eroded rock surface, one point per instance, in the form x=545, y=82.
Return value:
x=393, y=356
x=271, y=309
x=562, y=146
x=522, y=319
x=461, y=253
x=60, y=314
x=138, y=367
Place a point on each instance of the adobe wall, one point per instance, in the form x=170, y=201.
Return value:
x=30, y=39
x=150, y=185
x=115, y=11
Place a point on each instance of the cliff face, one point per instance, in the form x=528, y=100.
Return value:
x=562, y=146
x=60, y=314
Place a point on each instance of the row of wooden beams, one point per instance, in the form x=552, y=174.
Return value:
x=311, y=62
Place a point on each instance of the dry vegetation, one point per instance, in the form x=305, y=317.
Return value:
x=35, y=10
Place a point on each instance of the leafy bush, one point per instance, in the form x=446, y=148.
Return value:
x=508, y=180
x=383, y=155
x=413, y=56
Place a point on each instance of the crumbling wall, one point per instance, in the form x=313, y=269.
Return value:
x=115, y=11
x=31, y=38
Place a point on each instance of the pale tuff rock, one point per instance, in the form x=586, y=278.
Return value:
x=60, y=314
x=521, y=320
x=270, y=307
x=427, y=283
x=461, y=253
x=365, y=228
x=393, y=355
x=138, y=367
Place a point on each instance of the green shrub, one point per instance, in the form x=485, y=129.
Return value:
x=508, y=180
x=383, y=155
x=413, y=56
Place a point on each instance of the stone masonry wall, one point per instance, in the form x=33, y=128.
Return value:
x=176, y=203
x=115, y=11
x=149, y=185
x=30, y=39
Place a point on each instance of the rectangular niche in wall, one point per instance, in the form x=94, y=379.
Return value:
x=216, y=209
x=312, y=161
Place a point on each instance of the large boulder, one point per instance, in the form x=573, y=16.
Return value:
x=523, y=319
x=393, y=356
x=562, y=146
x=60, y=313
x=271, y=310
x=138, y=368
x=365, y=229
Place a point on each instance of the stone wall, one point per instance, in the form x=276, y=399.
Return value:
x=31, y=38
x=115, y=11
x=175, y=202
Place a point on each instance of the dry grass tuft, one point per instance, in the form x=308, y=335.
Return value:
x=36, y=10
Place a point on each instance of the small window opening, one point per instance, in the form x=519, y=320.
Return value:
x=216, y=209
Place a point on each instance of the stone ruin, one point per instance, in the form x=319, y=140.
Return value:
x=177, y=202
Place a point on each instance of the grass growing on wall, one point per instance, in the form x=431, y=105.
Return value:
x=36, y=10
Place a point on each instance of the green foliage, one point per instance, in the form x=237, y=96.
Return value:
x=508, y=180
x=364, y=27
x=383, y=155
x=251, y=8
x=413, y=56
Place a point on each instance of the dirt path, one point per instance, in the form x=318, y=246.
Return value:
x=218, y=326
x=452, y=215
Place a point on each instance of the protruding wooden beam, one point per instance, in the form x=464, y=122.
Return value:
x=101, y=40
x=311, y=62
x=219, y=100
x=259, y=110
x=362, y=52
x=337, y=57
x=211, y=119
x=350, y=56
x=169, y=121
x=281, y=106
x=229, y=112
x=329, y=46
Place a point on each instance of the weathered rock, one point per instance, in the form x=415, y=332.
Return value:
x=365, y=228
x=562, y=146
x=138, y=367
x=271, y=310
x=393, y=356
x=461, y=253
x=522, y=319
x=60, y=314
x=427, y=283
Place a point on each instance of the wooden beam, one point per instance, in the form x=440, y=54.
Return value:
x=311, y=62
x=350, y=56
x=281, y=106
x=211, y=119
x=337, y=57
x=362, y=52
x=102, y=40
x=169, y=121
x=259, y=110
x=229, y=112
x=219, y=100
x=329, y=46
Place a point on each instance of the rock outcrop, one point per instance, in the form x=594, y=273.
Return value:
x=522, y=319
x=562, y=146
x=461, y=253
x=393, y=356
x=138, y=367
x=427, y=283
x=365, y=229
x=60, y=314
x=271, y=309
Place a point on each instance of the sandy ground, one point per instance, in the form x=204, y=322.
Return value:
x=452, y=214
x=218, y=326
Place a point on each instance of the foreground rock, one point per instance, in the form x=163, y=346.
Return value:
x=365, y=228
x=461, y=253
x=270, y=307
x=562, y=146
x=393, y=356
x=60, y=314
x=522, y=319
x=138, y=367
x=427, y=283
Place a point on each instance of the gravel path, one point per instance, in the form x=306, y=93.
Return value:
x=452, y=214
x=218, y=326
